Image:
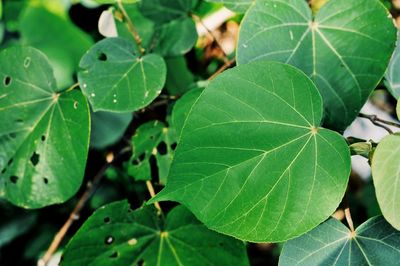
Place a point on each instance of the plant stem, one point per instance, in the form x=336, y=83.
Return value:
x=222, y=69
x=91, y=187
x=150, y=188
x=349, y=219
x=71, y=88
x=213, y=37
x=131, y=27
x=378, y=122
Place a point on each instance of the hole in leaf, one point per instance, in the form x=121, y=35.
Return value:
x=35, y=158
x=139, y=159
x=10, y=161
x=109, y=240
x=107, y=220
x=19, y=121
x=162, y=148
x=102, y=57
x=173, y=146
x=7, y=80
x=114, y=255
x=4, y=170
x=140, y=262
x=43, y=137
x=45, y=180
x=14, y=179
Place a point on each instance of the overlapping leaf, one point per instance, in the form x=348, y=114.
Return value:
x=393, y=72
x=115, y=236
x=44, y=135
x=239, y=6
x=344, y=49
x=115, y=78
x=373, y=243
x=252, y=159
x=162, y=11
x=386, y=176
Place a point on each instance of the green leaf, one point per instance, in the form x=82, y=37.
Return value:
x=151, y=139
x=179, y=76
x=44, y=134
x=115, y=1
x=392, y=76
x=62, y=41
x=108, y=128
x=239, y=6
x=373, y=243
x=115, y=78
x=182, y=109
x=251, y=158
x=16, y=227
x=344, y=49
x=114, y=235
x=398, y=109
x=386, y=176
x=162, y=11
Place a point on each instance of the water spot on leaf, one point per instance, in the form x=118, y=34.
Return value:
x=162, y=148
x=14, y=179
x=132, y=242
x=115, y=101
x=27, y=62
x=7, y=81
x=35, y=158
x=84, y=85
x=92, y=95
x=109, y=240
x=102, y=57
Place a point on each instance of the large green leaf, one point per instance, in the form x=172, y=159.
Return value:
x=114, y=235
x=252, y=159
x=115, y=78
x=344, y=49
x=386, y=176
x=393, y=71
x=179, y=76
x=373, y=243
x=44, y=134
x=239, y=6
x=62, y=41
x=162, y=11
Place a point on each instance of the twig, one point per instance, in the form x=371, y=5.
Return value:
x=378, y=122
x=74, y=215
x=131, y=27
x=213, y=37
x=150, y=188
x=222, y=69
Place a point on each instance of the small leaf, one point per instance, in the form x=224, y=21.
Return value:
x=345, y=48
x=251, y=158
x=115, y=78
x=393, y=72
x=373, y=243
x=239, y=6
x=115, y=236
x=162, y=11
x=179, y=76
x=108, y=128
x=44, y=135
x=386, y=176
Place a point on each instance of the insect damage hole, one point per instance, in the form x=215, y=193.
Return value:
x=7, y=81
x=45, y=180
x=35, y=158
x=14, y=179
x=162, y=148
x=114, y=255
x=102, y=57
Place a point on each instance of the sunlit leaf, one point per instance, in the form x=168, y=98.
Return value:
x=239, y=6
x=393, y=72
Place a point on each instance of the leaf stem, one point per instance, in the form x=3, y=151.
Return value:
x=74, y=86
x=150, y=188
x=347, y=214
x=91, y=187
x=222, y=69
x=378, y=122
x=131, y=27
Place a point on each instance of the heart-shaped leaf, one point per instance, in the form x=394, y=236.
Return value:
x=344, y=49
x=251, y=158
x=239, y=6
x=115, y=236
x=393, y=72
x=373, y=243
x=115, y=78
x=44, y=134
x=386, y=176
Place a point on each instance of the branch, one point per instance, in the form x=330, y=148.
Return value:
x=222, y=69
x=131, y=27
x=378, y=122
x=91, y=187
